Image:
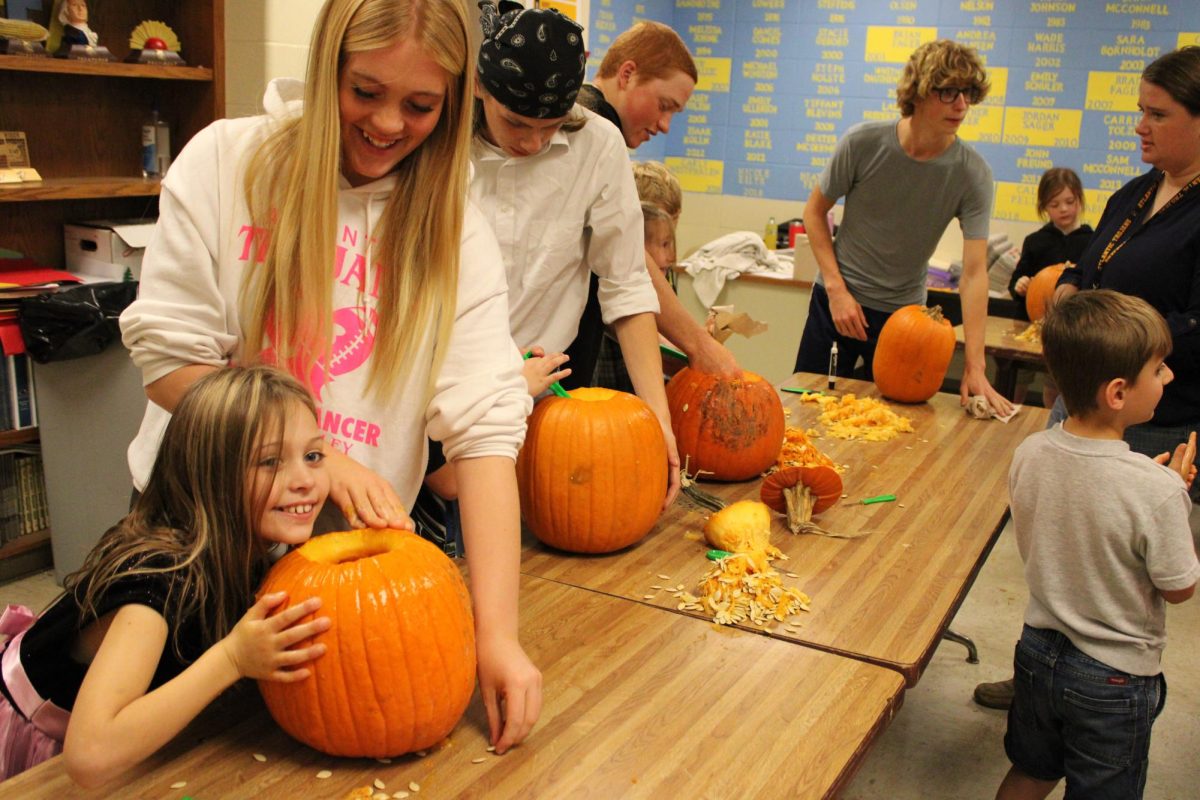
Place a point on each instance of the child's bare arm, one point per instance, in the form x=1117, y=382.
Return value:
x=116, y=723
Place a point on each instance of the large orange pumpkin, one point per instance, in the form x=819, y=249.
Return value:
x=913, y=354
x=593, y=471
x=399, y=667
x=1041, y=289
x=728, y=430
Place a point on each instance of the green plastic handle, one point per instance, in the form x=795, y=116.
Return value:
x=555, y=387
x=800, y=390
x=882, y=498
x=717, y=555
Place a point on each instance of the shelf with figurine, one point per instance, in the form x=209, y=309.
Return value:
x=154, y=48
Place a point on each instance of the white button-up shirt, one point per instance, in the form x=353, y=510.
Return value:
x=569, y=209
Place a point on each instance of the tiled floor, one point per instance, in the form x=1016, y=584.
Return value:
x=941, y=745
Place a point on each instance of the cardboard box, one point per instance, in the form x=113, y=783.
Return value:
x=103, y=249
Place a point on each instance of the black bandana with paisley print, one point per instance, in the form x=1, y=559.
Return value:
x=532, y=60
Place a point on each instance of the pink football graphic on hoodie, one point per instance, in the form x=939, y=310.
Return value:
x=352, y=345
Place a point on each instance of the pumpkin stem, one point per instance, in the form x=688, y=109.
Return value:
x=700, y=497
x=800, y=501
x=934, y=313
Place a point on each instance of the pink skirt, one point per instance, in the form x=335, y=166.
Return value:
x=21, y=745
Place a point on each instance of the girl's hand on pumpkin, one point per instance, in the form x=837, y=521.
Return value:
x=511, y=687
x=541, y=370
x=847, y=314
x=365, y=498
x=672, y=466
x=1022, y=285
x=714, y=358
x=263, y=646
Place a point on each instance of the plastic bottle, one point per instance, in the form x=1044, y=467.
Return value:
x=156, y=145
x=162, y=144
x=770, y=234
x=150, y=145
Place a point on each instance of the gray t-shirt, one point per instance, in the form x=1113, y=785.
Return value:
x=1101, y=530
x=897, y=208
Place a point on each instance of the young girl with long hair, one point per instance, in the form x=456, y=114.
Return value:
x=333, y=235
x=154, y=625
x=1061, y=240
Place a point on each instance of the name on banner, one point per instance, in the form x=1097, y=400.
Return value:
x=1112, y=91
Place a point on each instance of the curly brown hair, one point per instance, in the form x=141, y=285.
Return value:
x=934, y=65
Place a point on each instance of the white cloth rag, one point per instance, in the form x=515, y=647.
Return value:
x=725, y=259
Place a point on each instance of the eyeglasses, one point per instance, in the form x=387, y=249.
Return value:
x=949, y=94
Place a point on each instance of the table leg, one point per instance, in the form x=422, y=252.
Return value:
x=1006, y=377
x=965, y=641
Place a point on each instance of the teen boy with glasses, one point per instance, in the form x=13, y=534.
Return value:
x=903, y=182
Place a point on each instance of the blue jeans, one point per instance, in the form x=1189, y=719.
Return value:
x=1073, y=716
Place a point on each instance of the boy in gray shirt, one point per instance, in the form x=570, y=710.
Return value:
x=903, y=183
x=1104, y=536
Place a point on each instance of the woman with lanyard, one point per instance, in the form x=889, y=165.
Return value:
x=1147, y=243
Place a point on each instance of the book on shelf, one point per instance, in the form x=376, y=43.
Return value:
x=24, y=508
x=18, y=400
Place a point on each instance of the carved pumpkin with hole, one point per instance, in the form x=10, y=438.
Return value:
x=593, y=471
x=1041, y=289
x=913, y=354
x=726, y=430
x=399, y=668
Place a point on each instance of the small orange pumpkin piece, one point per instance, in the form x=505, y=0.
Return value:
x=593, y=471
x=726, y=430
x=399, y=668
x=1041, y=290
x=913, y=354
x=801, y=493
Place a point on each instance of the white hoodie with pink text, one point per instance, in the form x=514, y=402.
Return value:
x=187, y=313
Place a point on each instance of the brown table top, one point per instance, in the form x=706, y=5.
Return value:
x=885, y=598
x=638, y=703
x=999, y=339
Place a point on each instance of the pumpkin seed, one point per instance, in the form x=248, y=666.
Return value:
x=478, y=760
x=491, y=748
x=380, y=796
x=400, y=795
x=413, y=786
x=259, y=757
x=656, y=587
x=178, y=784
x=422, y=753
x=379, y=784
x=323, y=774
x=647, y=597
x=384, y=760
x=664, y=577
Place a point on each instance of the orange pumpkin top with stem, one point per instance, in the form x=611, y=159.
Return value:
x=801, y=493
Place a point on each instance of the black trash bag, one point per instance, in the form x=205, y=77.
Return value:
x=73, y=323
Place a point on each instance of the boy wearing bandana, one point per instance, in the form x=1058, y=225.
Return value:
x=555, y=183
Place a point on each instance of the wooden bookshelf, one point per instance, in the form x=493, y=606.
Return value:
x=82, y=122
x=112, y=69
x=26, y=554
x=78, y=189
x=21, y=436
